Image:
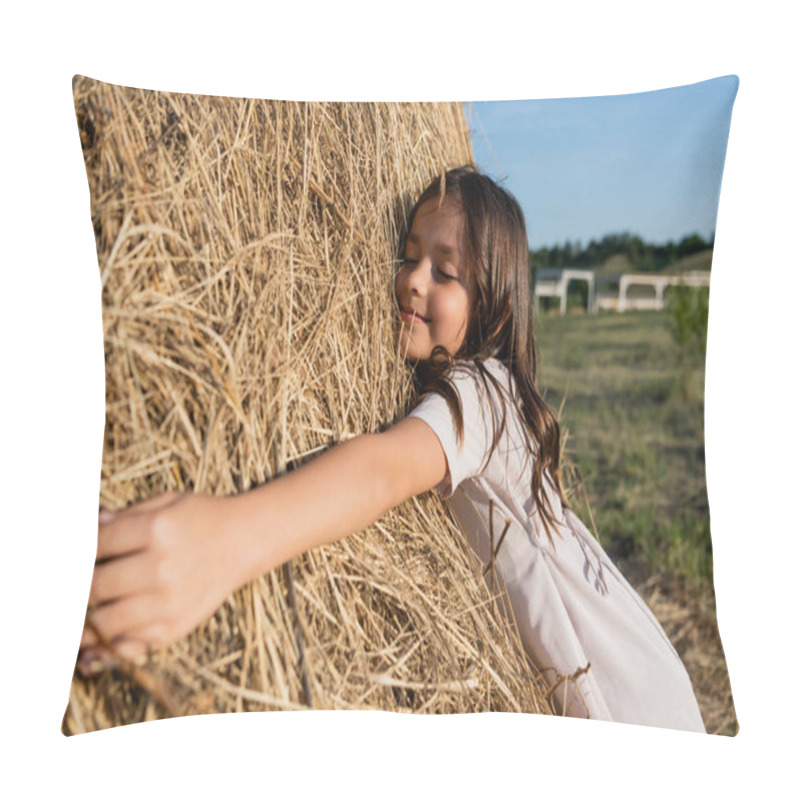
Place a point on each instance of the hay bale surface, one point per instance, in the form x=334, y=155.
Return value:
x=246, y=252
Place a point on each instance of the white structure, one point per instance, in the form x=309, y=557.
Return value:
x=610, y=292
x=554, y=282
x=620, y=300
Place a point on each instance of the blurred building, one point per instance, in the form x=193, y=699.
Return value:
x=632, y=291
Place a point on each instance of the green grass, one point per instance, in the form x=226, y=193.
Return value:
x=633, y=420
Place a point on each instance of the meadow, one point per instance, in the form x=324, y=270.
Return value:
x=630, y=405
x=632, y=415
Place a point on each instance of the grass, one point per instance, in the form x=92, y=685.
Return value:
x=632, y=419
x=633, y=422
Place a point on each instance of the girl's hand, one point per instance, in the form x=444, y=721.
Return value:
x=165, y=565
x=161, y=570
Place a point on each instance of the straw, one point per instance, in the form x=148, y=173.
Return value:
x=246, y=251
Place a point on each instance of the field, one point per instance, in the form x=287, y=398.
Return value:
x=634, y=430
x=631, y=412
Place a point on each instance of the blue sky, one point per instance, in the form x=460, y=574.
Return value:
x=649, y=164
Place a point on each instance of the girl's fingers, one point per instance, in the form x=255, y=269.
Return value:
x=125, y=531
x=134, y=642
x=122, y=619
x=88, y=637
x=151, y=504
x=121, y=577
x=123, y=534
x=95, y=659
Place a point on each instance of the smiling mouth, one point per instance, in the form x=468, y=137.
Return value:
x=411, y=317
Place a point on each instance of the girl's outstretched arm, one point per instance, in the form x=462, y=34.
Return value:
x=165, y=565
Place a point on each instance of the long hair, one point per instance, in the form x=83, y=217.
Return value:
x=500, y=323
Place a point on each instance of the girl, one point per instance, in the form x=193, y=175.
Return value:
x=481, y=435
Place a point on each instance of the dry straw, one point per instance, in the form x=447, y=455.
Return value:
x=246, y=252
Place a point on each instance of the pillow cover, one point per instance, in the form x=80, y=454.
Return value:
x=246, y=251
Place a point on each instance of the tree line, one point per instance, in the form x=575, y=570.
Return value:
x=643, y=256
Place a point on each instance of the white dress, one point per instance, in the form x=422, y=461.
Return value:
x=581, y=622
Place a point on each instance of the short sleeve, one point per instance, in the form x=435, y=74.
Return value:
x=467, y=459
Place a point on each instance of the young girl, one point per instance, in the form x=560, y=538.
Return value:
x=481, y=435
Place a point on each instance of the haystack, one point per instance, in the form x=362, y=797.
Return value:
x=246, y=252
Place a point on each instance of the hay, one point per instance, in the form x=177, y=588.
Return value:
x=246, y=253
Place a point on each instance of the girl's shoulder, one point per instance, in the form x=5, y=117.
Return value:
x=470, y=372
x=473, y=367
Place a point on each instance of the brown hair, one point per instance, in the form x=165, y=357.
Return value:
x=500, y=324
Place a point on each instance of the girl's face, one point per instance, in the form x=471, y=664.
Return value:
x=432, y=286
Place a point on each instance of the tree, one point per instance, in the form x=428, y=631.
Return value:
x=691, y=244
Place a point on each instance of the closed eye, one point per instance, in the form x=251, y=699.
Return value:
x=408, y=262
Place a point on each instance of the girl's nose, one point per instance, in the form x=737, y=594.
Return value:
x=415, y=276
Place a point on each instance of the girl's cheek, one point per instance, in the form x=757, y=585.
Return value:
x=454, y=310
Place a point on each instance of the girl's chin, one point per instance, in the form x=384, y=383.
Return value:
x=411, y=351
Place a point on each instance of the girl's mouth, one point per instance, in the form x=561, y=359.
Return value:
x=411, y=317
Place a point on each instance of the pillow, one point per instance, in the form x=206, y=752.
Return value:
x=246, y=252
